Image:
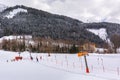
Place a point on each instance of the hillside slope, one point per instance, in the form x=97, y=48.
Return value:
x=29, y=21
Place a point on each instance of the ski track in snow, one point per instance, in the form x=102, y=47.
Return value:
x=55, y=67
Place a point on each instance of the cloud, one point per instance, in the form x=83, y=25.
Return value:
x=89, y=10
x=84, y=10
x=39, y=4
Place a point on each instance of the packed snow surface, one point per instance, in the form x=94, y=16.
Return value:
x=15, y=11
x=100, y=32
x=58, y=66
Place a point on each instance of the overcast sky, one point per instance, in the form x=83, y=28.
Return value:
x=84, y=10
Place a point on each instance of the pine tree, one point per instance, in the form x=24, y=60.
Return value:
x=74, y=49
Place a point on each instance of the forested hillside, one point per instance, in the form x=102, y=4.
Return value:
x=22, y=20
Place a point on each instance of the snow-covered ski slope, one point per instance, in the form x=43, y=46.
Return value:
x=59, y=67
x=102, y=33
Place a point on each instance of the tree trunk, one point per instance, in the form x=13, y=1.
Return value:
x=115, y=50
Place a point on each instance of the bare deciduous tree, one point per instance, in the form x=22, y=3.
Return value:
x=115, y=39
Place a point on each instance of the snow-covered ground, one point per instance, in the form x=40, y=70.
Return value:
x=100, y=32
x=14, y=12
x=28, y=38
x=59, y=67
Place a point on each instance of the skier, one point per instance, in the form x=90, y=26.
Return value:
x=31, y=57
x=48, y=54
x=36, y=59
x=40, y=57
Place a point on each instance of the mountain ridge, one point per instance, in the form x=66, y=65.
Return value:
x=44, y=24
